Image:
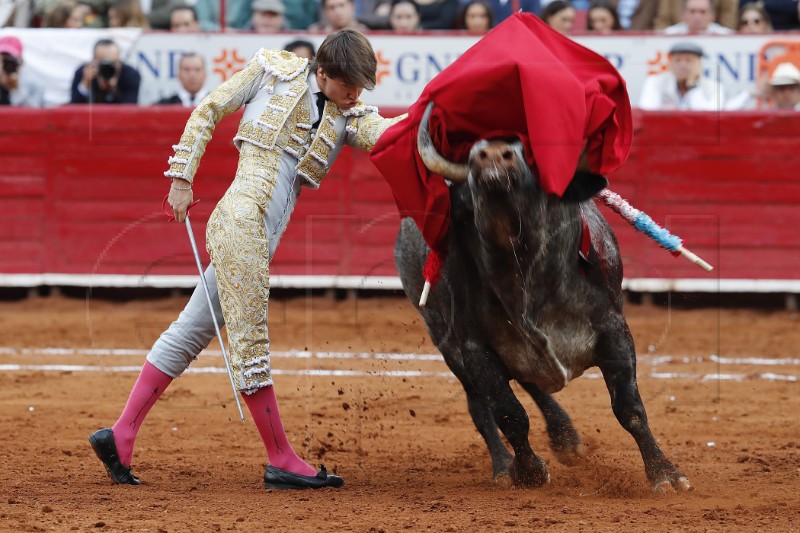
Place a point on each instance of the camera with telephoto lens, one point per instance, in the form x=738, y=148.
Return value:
x=107, y=69
x=10, y=64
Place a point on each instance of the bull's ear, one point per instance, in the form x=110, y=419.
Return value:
x=584, y=185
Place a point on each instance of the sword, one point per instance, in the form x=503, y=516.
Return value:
x=208, y=299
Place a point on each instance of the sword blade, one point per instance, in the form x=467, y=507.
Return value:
x=213, y=316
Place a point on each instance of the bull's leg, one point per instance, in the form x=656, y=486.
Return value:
x=617, y=361
x=484, y=421
x=480, y=413
x=491, y=382
x=564, y=440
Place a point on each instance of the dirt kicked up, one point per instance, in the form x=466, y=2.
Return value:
x=362, y=392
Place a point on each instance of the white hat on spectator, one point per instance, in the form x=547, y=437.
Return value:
x=785, y=74
x=686, y=48
x=271, y=6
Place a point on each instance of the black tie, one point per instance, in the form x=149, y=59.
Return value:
x=321, y=99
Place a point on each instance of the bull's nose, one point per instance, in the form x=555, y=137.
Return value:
x=495, y=156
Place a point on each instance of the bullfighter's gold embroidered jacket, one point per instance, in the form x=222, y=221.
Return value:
x=274, y=87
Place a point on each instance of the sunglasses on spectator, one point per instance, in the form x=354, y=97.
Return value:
x=745, y=22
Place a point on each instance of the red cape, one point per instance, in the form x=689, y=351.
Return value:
x=522, y=77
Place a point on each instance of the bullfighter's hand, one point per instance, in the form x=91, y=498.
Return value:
x=179, y=200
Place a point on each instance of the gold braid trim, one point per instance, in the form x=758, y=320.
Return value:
x=269, y=130
x=281, y=64
x=314, y=165
x=364, y=131
x=221, y=102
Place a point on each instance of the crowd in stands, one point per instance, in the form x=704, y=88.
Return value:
x=602, y=16
x=106, y=79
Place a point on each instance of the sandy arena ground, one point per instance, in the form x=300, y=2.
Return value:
x=403, y=441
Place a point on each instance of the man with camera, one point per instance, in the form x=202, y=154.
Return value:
x=105, y=79
x=15, y=89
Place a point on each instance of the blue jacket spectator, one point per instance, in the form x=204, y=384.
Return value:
x=784, y=13
x=502, y=8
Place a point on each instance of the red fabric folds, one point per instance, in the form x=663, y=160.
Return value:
x=524, y=79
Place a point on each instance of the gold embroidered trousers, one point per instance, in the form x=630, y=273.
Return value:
x=238, y=243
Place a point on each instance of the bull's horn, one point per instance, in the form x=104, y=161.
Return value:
x=432, y=159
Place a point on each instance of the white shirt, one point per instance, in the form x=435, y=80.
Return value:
x=660, y=93
x=186, y=97
x=682, y=28
x=27, y=94
x=313, y=88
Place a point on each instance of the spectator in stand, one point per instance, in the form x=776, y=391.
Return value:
x=300, y=14
x=192, y=77
x=438, y=14
x=376, y=14
x=637, y=15
x=696, y=16
x=404, y=16
x=783, y=13
x=65, y=14
x=753, y=18
x=476, y=17
x=127, y=14
x=337, y=15
x=301, y=48
x=683, y=87
x=238, y=14
x=559, y=15
x=98, y=13
x=105, y=79
x=501, y=9
x=268, y=16
x=15, y=87
x=784, y=87
x=158, y=12
x=602, y=17
x=183, y=19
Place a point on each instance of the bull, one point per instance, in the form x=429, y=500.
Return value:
x=516, y=301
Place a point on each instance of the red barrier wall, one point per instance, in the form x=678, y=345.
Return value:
x=81, y=190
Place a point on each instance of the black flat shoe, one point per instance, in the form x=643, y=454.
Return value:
x=275, y=478
x=104, y=446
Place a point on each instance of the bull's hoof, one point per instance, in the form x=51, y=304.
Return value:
x=571, y=456
x=529, y=472
x=503, y=480
x=672, y=483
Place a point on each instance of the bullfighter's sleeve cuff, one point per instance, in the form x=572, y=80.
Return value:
x=367, y=126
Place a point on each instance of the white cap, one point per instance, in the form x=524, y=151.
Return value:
x=785, y=74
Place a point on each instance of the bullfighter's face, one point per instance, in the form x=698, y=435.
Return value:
x=338, y=91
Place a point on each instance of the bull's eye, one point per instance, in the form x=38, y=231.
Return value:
x=507, y=155
x=482, y=154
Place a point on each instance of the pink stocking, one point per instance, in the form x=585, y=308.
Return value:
x=263, y=407
x=146, y=391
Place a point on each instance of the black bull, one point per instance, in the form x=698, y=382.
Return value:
x=516, y=302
